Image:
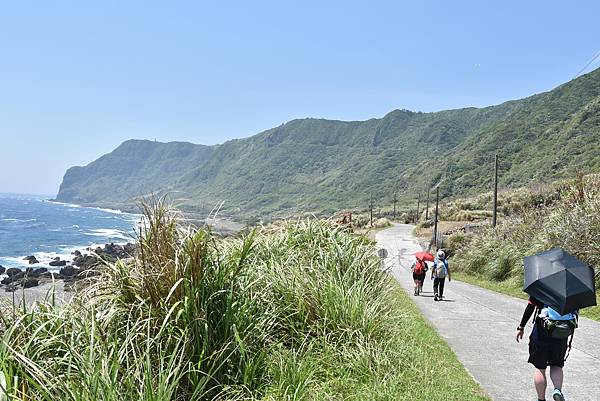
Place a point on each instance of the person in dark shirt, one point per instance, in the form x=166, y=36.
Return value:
x=544, y=351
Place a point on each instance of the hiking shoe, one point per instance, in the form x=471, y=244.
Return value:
x=557, y=395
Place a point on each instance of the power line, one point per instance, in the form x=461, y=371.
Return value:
x=588, y=64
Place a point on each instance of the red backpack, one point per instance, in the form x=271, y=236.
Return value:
x=419, y=267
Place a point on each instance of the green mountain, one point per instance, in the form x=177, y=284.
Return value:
x=323, y=166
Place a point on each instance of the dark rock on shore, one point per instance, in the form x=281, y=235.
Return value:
x=30, y=282
x=114, y=252
x=109, y=253
x=83, y=266
x=9, y=280
x=12, y=271
x=2, y=269
x=14, y=278
x=32, y=259
x=69, y=271
x=37, y=272
x=26, y=282
x=49, y=275
x=86, y=261
x=28, y=278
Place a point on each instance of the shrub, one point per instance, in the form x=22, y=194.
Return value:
x=381, y=223
x=501, y=267
x=453, y=242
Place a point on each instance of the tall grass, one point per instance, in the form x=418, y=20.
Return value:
x=514, y=202
x=569, y=220
x=193, y=317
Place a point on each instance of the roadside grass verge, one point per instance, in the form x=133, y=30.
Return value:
x=297, y=312
x=412, y=363
x=514, y=289
x=436, y=373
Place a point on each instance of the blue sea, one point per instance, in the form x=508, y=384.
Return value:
x=32, y=225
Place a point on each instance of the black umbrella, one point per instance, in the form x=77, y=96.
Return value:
x=560, y=280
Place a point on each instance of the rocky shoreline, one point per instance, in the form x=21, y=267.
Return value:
x=82, y=265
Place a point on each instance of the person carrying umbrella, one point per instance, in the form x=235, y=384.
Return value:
x=558, y=285
x=419, y=269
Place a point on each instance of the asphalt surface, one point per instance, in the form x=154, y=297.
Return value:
x=480, y=326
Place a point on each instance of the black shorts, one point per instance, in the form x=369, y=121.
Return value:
x=420, y=277
x=547, y=353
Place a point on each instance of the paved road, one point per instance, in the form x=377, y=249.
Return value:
x=480, y=326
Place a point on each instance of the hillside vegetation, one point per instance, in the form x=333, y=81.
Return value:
x=565, y=214
x=318, y=165
x=298, y=312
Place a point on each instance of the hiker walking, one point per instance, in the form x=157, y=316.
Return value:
x=558, y=285
x=419, y=269
x=548, y=345
x=438, y=274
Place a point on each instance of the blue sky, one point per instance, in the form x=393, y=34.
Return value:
x=78, y=78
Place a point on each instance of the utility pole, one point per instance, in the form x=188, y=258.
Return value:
x=395, y=201
x=435, y=227
x=427, y=208
x=371, y=209
x=494, y=218
x=418, y=205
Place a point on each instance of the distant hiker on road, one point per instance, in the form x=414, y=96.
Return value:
x=548, y=345
x=419, y=269
x=438, y=274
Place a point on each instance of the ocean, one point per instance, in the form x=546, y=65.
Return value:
x=32, y=225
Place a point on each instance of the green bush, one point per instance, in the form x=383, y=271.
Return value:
x=501, y=268
x=453, y=242
x=475, y=265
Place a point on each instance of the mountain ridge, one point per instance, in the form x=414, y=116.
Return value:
x=321, y=165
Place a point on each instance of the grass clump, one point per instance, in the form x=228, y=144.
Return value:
x=296, y=312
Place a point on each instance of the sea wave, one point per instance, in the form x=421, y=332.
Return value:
x=44, y=259
x=102, y=209
x=113, y=211
x=109, y=233
x=65, y=252
x=62, y=203
x=62, y=229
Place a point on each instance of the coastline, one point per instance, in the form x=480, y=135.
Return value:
x=32, y=272
x=225, y=226
x=103, y=209
x=49, y=245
